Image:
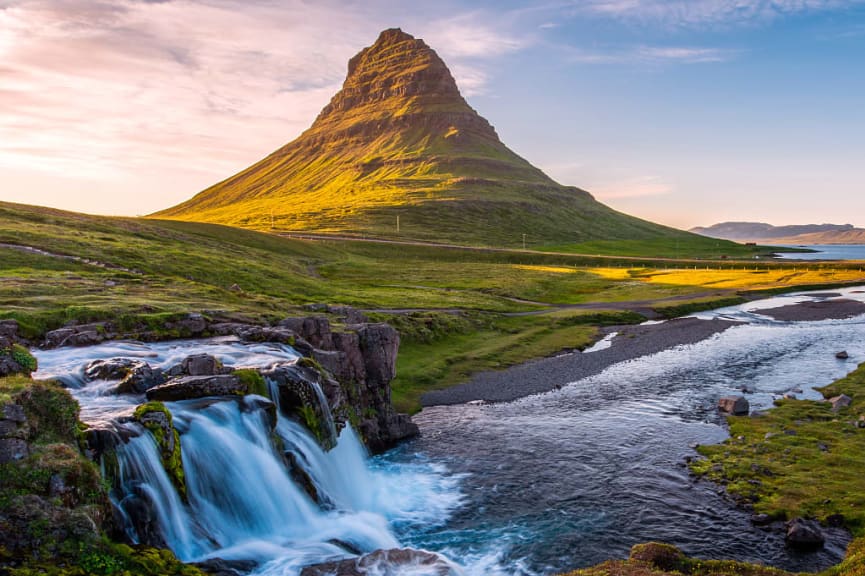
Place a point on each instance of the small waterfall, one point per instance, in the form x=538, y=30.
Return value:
x=242, y=499
x=242, y=502
x=144, y=488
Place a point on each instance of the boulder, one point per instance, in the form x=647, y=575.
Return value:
x=386, y=562
x=8, y=333
x=302, y=398
x=842, y=355
x=804, y=534
x=201, y=365
x=83, y=335
x=136, y=376
x=188, y=387
x=838, y=402
x=735, y=405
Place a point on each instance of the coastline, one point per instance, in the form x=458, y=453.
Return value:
x=630, y=342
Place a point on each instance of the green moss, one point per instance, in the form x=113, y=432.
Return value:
x=106, y=558
x=254, y=382
x=308, y=362
x=171, y=452
x=799, y=459
x=311, y=420
x=24, y=358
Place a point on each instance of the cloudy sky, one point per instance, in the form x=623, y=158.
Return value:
x=686, y=112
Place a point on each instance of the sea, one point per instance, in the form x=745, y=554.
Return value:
x=825, y=252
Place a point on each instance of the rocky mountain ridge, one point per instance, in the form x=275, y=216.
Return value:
x=399, y=141
x=793, y=234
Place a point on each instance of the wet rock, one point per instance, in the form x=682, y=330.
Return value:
x=83, y=335
x=761, y=519
x=298, y=387
x=136, y=376
x=300, y=476
x=803, y=534
x=747, y=388
x=735, y=405
x=839, y=402
x=200, y=365
x=842, y=355
x=386, y=562
x=188, y=387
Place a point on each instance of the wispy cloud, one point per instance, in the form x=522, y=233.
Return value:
x=635, y=187
x=650, y=54
x=102, y=88
x=698, y=13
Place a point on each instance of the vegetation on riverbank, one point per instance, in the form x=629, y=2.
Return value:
x=799, y=459
x=54, y=509
x=460, y=310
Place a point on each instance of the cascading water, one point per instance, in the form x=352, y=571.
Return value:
x=537, y=486
x=241, y=501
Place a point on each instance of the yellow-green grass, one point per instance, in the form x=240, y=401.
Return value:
x=173, y=268
x=799, y=459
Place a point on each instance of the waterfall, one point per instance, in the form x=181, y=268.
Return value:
x=243, y=500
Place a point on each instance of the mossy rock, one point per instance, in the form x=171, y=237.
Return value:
x=158, y=420
x=254, y=382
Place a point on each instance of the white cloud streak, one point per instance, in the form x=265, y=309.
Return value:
x=700, y=13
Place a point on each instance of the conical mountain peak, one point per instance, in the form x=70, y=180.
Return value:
x=398, y=142
x=399, y=74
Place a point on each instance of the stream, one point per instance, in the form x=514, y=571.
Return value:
x=537, y=486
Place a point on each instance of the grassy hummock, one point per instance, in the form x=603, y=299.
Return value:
x=800, y=458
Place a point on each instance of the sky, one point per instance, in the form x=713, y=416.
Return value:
x=685, y=112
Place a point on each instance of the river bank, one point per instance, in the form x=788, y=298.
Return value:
x=625, y=343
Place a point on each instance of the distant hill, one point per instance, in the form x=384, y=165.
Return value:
x=399, y=153
x=794, y=234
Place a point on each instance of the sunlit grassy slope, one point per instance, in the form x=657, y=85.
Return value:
x=451, y=305
x=399, y=142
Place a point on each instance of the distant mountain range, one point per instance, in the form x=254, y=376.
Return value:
x=399, y=153
x=794, y=234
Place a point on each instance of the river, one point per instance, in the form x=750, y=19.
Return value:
x=537, y=486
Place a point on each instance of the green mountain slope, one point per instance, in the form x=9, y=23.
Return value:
x=400, y=142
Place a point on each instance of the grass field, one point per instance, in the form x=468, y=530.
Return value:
x=459, y=310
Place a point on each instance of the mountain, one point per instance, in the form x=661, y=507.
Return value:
x=793, y=234
x=399, y=152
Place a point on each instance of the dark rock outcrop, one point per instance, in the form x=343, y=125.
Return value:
x=842, y=355
x=394, y=561
x=201, y=365
x=188, y=387
x=81, y=335
x=136, y=376
x=804, y=534
x=735, y=405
